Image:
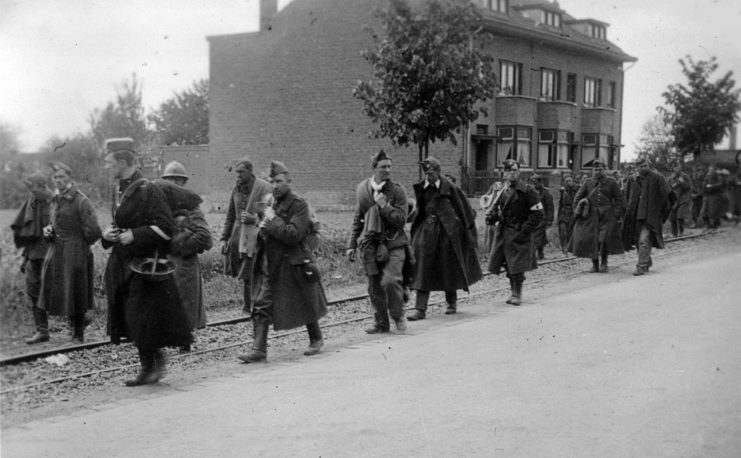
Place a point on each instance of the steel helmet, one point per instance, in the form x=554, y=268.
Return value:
x=174, y=170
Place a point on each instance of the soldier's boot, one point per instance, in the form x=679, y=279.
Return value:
x=451, y=298
x=259, y=352
x=595, y=266
x=519, y=279
x=41, y=320
x=145, y=376
x=512, y=287
x=381, y=323
x=420, y=306
x=603, y=264
x=316, y=340
x=160, y=367
x=78, y=329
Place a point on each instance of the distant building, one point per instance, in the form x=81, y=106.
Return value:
x=285, y=93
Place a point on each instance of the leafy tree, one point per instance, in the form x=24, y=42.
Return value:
x=12, y=190
x=81, y=153
x=123, y=117
x=701, y=112
x=656, y=143
x=183, y=119
x=430, y=72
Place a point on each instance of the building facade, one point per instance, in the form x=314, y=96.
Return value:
x=285, y=93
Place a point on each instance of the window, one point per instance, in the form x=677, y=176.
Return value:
x=592, y=92
x=597, y=31
x=550, y=82
x=552, y=19
x=514, y=144
x=553, y=148
x=611, y=94
x=571, y=87
x=510, y=78
x=596, y=146
x=494, y=5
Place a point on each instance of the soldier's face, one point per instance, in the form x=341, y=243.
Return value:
x=61, y=179
x=598, y=171
x=432, y=175
x=243, y=174
x=382, y=172
x=37, y=191
x=568, y=181
x=643, y=168
x=114, y=167
x=281, y=185
x=512, y=174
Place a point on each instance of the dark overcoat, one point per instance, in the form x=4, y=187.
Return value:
x=649, y=204
x=444, y=239
x=602, y=226
x=243, y=197
x=517, y=213
x=148, y=312
x=539, y=235
x=294, y=283
x=714, y=202
x=67, y=275
x=682, y=186
x=192, y=237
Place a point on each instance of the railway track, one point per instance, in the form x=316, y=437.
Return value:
x=28, y=357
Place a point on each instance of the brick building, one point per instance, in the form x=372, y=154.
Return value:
x=285, y=92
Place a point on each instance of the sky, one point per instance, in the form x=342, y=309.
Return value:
x=62, y=59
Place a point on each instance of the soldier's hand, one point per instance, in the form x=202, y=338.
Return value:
x=126, y=237
x=247, y=218
x=48, y=231
x=351, y=254
x=111, y=234
x=380, y=199
x=269, y=213
x=224, y=247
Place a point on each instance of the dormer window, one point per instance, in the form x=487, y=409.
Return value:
x=597, y=31
x=501, y=6
x=552, y=19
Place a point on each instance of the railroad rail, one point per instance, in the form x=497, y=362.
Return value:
x=67, y=349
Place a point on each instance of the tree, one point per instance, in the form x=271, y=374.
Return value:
x=430, y=73
x=701, y=112
x=124, y=117
x=656, y=143
x=12, y=190
x=183, y=119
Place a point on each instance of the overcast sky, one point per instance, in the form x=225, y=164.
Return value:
x=59, y=60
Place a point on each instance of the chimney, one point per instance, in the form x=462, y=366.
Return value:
x=732, y=135
x=268, y=9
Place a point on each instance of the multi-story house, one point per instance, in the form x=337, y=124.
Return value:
x=285, y=92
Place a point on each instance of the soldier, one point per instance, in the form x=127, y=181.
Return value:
x=544, y=194
x=682, y=187
x=517, y=211
x=599, y=206
x=192, y=237
x=239, y=236
x=28, y=235
x=378, y=233
x=143, y=304
x=714, y=199
x=566, y=212
x=444, y=241
x=290, y=289
x=67, y=278
x=648, y=207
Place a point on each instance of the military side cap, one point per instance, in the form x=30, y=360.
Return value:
x=640, y=160
x=57, y=166
x=35, y=179
x=378, y=157
x=277, y=168
x=119, y=144
x=594, y=163
x=430, y=163
x=509, y=163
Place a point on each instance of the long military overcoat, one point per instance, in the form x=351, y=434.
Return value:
x=649, y=204
x=607, y=206
x=516, y=216
x=539, y=235
x=67, y=275
x=682, y=187
x=294, y=283
x=444, y=239
x=714, y=202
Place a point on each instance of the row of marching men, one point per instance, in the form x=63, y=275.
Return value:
x=268, y=238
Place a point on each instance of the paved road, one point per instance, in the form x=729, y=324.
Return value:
x=626, y=367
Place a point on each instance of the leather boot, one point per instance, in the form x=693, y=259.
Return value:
x=145, y=376
x=259, y=352
x=519, y=281
x=420, y=306
x=603, y=264
x=42, y=326
x=316, y=341
x=78, y=329
x=451, y=298
x=595, y=266
x=513, y=288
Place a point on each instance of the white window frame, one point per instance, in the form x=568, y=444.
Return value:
x=592, y=91
x=510, y=77
x=550, y=84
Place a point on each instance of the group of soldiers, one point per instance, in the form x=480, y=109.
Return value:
x=153, y=280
